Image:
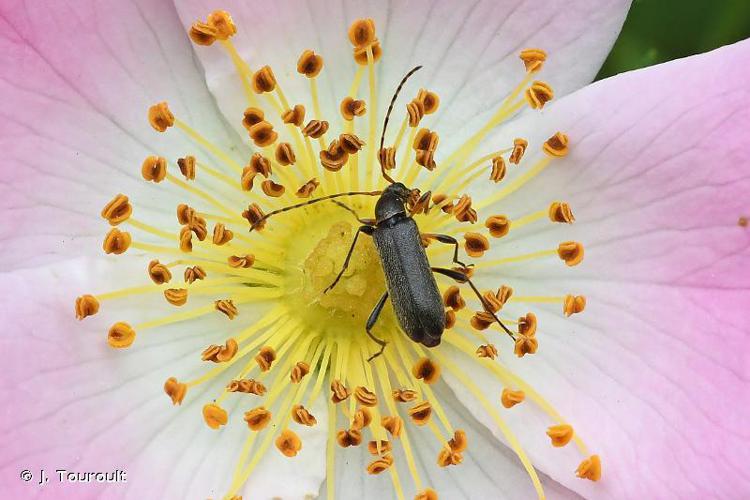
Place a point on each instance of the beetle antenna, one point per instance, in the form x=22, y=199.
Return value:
x=387, y=117
x=261, y=221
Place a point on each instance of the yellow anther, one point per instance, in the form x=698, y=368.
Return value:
x=351, y=107
x=302, y=416
x=448, y=457
x=272, y=189
x=175, y=390
x=309, y=64
x=427, y=370
x=452, y=298
x=560, y=434
x=295, y=116
x=315, y=128
x=284, y=154
x=498, y=169
x=425, y=140
x=487, y=351
x=202, y=34
x=557, y=145
x=379, y=447
x=498, y=225
x=590, y=469
x=533, y=59
x=264, y=80
x=420, y=413
x=462, y=210
x=246, y=386
x=527, y=324
x=511, y=398
x=362, y=32
x=194, y=273
x=365, y=396
x=360, y=53
x=351, y=143
x=222, y=22
x=573, y=304
x=380, y=465
x=450, y=319
x=539, y=94
x=220, y=353
x=288, y=443
x=222, y=235
x=116, y=241
x=186, y=239
x=519, y=148
x=571, y=252
x=428, y=494
x=187, y=167
x=299, y=370
x=120, y=335
x=214, y=415
x=263, y=134
x=117, y=210
x=525, y=345
x=257, y=418
x=403, y=395
x=349, y=437
x=458, y=442
x=334, y=158
x=227, y=307
x=362, y=418
x=154, y=168
x=426, y=159
x=559, y=211
x=415, y=111
x=86, y=305
x=307, y=189
x=265, y=358
x=475, y=244
x=252, y=116
x=430, y=101
x=176, y=296
x=185, y=213
x=254, y=216
x=393, y=424
x=160, y=117
x=481, y=320
x=387, y=158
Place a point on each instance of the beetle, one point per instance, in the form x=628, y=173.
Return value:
x=410, y=279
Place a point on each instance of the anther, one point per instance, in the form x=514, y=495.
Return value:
x=448, y=457
x=246, y=386
x=481, y=320
x=198, y=226
x=154, y=168
x=533, y=59
x=462, y=210
x=349, y=437
x=220, y=353
x=227, y=307
x=187, y=167
x=743, y=221
x=590, y=469
x=261, y=165
x=458, y=442
x=560, y=434
x=495, y=301
x=120, y=335
x=362, y=32
x=185, y=213
x=573, y=304
x=263, y=134
x=365, y=396
x=387, y=158
x=519, y=148
x=351, y=107
x=252, y=116
x=487, y=351
x=264, y=80
x=498, y=169
x=299, y=371
x=284, y=154
x=510, y=398
x=272, y=189
x=498, y=225
x=428, y=494
x=539, y=94
x=557, y=145
x=307, y=189
x=265, y=358
x=309, y=64
x=351, y=143
x=420, y=414
x=379, y=447
x=175, y=390
x=222, y=22
x=362, y=418
x=315, y=128
x=422, y=205
x=222, y=235
x=214, y=415
x=404, y=395
x=302, y=416
x=160, y=117
x=571, y=252
x=360, y=53
x=254, y=216
x=525, y=345
x=334, y=158
x=117, y=210
x=86, y=305
x=425, y=140
x=202, y=34
x=452, y=298
x=559, y=211
x=288, y=443
x=393, y=424
x=295, y=116
x=176, y=296
x=450, y=319
x=415, y=111
x=186, y=239
x=475, y=244
x=116, y=241
x=194, y=273
x=427, y=370
x=426, y=159
x=430, y=101
x=257, y=418
x=527, y=324
x=380, y=465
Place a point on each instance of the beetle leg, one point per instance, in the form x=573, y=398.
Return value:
x=450, y=240
x=363, y=229
x=367, y=222
x=371, y=322
x=462, y=278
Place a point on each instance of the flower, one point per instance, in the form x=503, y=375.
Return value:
x=645, y=366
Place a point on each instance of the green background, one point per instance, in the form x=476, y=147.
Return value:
x=660, y=30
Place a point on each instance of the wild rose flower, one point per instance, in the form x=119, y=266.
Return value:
x=628, y=363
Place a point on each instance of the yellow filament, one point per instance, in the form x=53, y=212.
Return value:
x=243, y=70
x=517, y=258
x=229, y=181
x=373, y=105
x=401, y=132
x=215, y=150
x=537, y=299
x=331, y=450
x=202, y=194
x=315, y=99
x=516, y=183
x=151, y=229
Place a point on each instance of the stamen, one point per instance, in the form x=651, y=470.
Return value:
x=475, y=244
x=428, y=494
x=285, y=154
x=258, y=418
x=403, y=395
x=452, y=298
x=365, y=396
x=538, y=94
x=351, y=107
x=265, y=358
x=525, y=345
x=302, y=416
x=86, y=305
x=527, y=324
x=272, y=189
x=160, y=117
x=574, y=304
x=420, y=413
x=154, y=168
x=194, y=273
x=219, y=353
x=560, y=434
x=559, y=211
x=264, y=80
x=498, y=169
x=307, y=189
x=379, y=465
x=571, y=252
x=349, y=437
x=116, y=242
x=176, y=296
x=426, y=370
x=299, y=371
x=393, y=424
x=187, y=167
x=221, y=235
x=227, y=307
x=121, y=335
x=315, y=128
x=214, y=415
x=450, y=319
x=487, y=351
x=222, y=22
x=557, y=145
x=118, y=210
x=511, y=398
x=533, y=59
x=309, y=64
x=519, y=148
x=498, y=225
x=246, y=386
x=175, y=390
x=590, y=469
